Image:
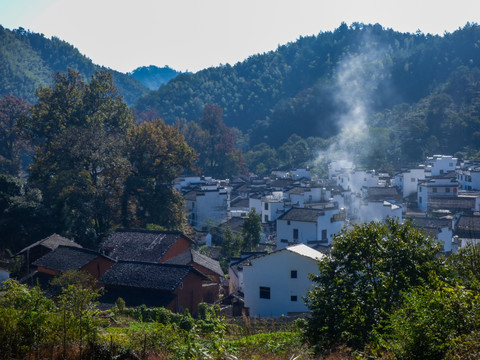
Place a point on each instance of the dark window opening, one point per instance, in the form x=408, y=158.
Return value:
x=293, y=274
x=264, y=292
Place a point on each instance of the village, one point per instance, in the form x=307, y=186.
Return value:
x=300, y=217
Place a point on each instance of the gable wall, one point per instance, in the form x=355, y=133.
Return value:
x=181, y=245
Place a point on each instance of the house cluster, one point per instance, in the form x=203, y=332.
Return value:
x=300, y=216
x=155, y=268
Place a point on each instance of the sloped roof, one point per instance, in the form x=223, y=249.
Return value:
x=424, y=222
x=65, y=258
x=144, y=275
x=304, y=250
x=235, y=224
x=240, y=203
x=140, y=245
x=52, y=242
x=382, y=193
x=302, y=214
x=190, y=255
x=468, y=227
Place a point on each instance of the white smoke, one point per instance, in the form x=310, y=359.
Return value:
x=356, y=81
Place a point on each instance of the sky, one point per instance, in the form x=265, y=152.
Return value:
x=190, y=35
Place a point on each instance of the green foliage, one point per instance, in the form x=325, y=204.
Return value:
x=27, y=61
x=362, y=280
x=430, y=321
x=158, y=154
x=79, y=130
x=232, y=244
x=251, y=231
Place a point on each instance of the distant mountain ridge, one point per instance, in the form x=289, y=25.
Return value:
x=28, y=60
x=153, y=76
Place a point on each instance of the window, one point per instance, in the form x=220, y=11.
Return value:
x=293, y=274
x=266, y=206
x=324, y=234
x=447, y=190
x=293, y=298
x=420, y=189
x=420, y=199
x=413, y=179
x=295, y=234
x=265, y=218
x=288, y=222
x=264, y=292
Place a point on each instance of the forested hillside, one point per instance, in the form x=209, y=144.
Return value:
x=152, y=76
x=418, y=93
x=28, y=60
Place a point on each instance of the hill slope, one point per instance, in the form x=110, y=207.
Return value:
x=312, y=86
x=27, y=61
x=153, y=77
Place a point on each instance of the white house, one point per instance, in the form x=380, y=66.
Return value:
x=469, y=178
x=338, y=167
x=309, y=226
x=438, y=165
x=407, y=181
x=207, y=207
x=438, y=187
x=379, y=211
x=357, y=179
x=272, y=206
x=275, y=283
x=440, y=229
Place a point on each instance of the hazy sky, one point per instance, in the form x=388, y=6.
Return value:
x=195, y=34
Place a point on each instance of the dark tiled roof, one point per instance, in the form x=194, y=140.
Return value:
x=302, y=214
x=451, y=202
x=434, y=223
x=297, y=190
x=142, y=275
x=140, y=245
x=281, y=183
x=468, y=227
x=235, y=224
x=383, y=193
x=241, y=203
x=66, y=258
x=52, y=242
x=190, y=255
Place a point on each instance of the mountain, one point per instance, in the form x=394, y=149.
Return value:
x=317, y=85
x=153, y=77
x=27, y=61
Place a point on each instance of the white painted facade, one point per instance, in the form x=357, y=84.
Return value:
x=438, y=165
x=435, y=187
x=320, y=227
x=469, y=178
x=273, y=206
x=355, y=180
x=274, y=284
x=407, y=181
x=378, y=211
x=208, y=208
x=338, y=167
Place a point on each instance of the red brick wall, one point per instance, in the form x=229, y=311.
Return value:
x=98, y=267
x=189, y=293
x=182, y=244
x=210, y=293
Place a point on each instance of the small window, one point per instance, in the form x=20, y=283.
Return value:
x=288, y=222
x=293, y=274
x=266, y=206
x=264, y=292
x=295, y=234
x=413, y=179
x=324, y=234
x=447, y=190
x=420, y=199
x=293, y=298
x=265, y=218
x=420, y=189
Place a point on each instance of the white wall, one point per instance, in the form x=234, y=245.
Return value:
x=307, y=231
x=273, y=271
x=379, y=211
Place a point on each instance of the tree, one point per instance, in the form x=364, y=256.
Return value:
x=362, y=279
x=79, y=132
x=232, y=244
x=12, y=111
x=158, y=154
x=251, y=231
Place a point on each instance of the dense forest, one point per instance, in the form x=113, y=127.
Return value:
x=28, y=61
x=153, y=77
x=410, y=94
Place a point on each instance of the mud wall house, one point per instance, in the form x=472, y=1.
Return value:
x=309, y=226
x=207, y=266
x=276, y=282
x=175, y=287
x=42, y=247
x=146, y=245
x=67, y=258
